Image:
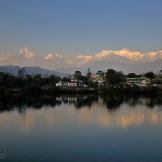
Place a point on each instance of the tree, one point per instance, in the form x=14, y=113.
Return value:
x=65, y=79
x=37, y=80
x=84, y=79
x=101, y=73
x=150, y=75
x=21, y=73
x=114, y=78
x=91, y=84
x=88, y=75
x=28, y=80
x=77, y=75
x=131, y=75
x=160, y=73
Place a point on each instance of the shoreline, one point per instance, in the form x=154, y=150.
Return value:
x=58, y=91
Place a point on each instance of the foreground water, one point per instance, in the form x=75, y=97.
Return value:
x=81, y=129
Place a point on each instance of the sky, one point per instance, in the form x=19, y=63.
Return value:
x=63, y=33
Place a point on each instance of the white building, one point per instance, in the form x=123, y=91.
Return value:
x=72, y=83
x=140, y=81
x=99, y=79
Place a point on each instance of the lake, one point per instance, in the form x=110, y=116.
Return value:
x=80, y=128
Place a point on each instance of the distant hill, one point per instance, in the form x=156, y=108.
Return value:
x=119, y=64
x=30, y=70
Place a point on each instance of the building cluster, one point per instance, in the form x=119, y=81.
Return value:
x=78, y=82
x=100, y=79
x=71, y=83
x=138, y=81
x=143, y=82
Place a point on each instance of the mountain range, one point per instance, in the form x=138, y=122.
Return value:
x=31, y=70
x=118, y=64
x=124, y=65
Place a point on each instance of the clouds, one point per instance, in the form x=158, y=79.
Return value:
x=109, y=54
x=125, y=53
x=155, y=55
x=53, y=60
x=103, y=53
x=2, y=58
x=84, y=58
x=52, y=56
x=26, y=53
x=106, y=54
x=132, y=55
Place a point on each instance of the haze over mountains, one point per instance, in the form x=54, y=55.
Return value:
x=119, y=65
x=30, y=70
x=124, y=59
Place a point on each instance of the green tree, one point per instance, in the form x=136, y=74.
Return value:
x=66, y=79
x=114, y=78
x=132, y=75
x=77, y=75
x=150, y=75
x=91, y=84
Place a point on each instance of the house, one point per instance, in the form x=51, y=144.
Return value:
x=99, y=79
x=61, y=84
x=138, y=81
x=72, y=83
x=157, y=82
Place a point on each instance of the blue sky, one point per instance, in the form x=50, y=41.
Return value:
x=80, y=27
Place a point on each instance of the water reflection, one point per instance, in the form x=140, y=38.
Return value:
x=105, y=111
x=91, y=127
x=111, y=102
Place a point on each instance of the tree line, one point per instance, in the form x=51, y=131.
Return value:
x=111, y=76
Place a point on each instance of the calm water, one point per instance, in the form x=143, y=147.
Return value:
x=81, y=129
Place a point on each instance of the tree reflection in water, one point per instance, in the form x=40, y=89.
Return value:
x=112, y=102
